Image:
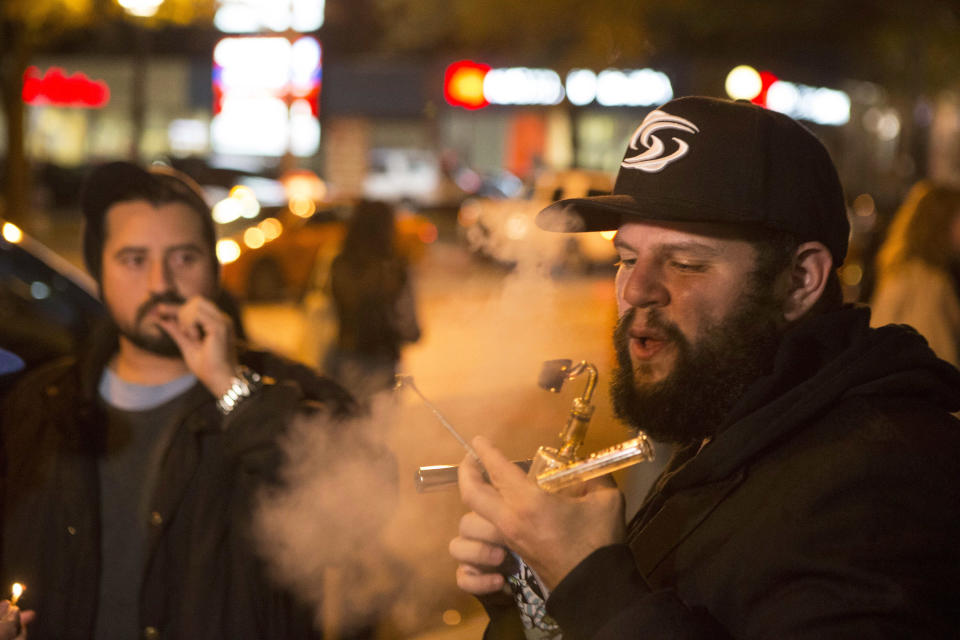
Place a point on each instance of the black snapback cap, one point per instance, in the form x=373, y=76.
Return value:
x=698, y=159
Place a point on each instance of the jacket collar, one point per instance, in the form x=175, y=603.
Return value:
x=197, y=412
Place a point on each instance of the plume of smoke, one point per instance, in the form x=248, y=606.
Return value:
x=337, y=490
x=347, y=499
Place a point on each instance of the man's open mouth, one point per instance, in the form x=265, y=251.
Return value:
x=645, y=345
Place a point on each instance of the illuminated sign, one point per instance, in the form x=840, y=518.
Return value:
x=816, y=104
x=255, y=16
x=474, y=85
x=520, y=85
x=57, y=89
x=141, y=8
x=619, y=88
x=266, y=96
x=463, y=84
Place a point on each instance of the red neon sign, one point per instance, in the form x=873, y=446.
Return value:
x=55, y=88
x=463, y=84
x=766, y=81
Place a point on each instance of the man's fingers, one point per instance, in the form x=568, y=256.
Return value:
x=199, y=317
x=172, y=327
x=476, y=493
x=501, y=471
x=470, y=478
x=476, y=552
x=477, y=582
x=476, y=527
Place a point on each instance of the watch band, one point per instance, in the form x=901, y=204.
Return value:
x=243, y=385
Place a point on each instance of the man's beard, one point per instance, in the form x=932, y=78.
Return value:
x=708, y=377
x=161, y=344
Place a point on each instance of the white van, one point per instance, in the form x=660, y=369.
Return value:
x=404, y=176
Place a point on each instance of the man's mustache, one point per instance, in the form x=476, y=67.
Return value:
x=167, y=297
x=654, y=320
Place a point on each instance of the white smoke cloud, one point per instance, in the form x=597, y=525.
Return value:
x=478, y=362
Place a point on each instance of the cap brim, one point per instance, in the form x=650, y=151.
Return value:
x=596, y=213
x=607, y=213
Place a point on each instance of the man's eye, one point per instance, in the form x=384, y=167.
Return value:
x=690, y=267
x=626, y=262
x=183, y=259
x=132, y=261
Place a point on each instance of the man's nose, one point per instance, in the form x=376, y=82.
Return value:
x=160, y=277
x=644, y=287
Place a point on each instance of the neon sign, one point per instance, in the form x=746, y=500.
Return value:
x=474, y=85
x=816, y=104
x=57, y=89
x=463, y=84
x=266, y=95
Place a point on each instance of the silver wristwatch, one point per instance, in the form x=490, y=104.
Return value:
x=243, y=385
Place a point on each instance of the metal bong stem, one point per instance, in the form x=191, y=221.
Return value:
x=407, y=381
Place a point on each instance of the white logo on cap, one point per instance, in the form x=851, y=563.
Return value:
x=652, y=160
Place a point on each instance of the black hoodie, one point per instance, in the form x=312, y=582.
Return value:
x=828, y=505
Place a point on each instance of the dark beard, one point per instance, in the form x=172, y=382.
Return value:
x=163, y=344
x=708, y=377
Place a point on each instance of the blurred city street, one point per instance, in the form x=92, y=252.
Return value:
x=459, y=121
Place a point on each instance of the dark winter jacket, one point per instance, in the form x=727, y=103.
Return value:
x=827, y=507
x=202, y=578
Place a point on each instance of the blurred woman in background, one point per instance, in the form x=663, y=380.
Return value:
x=918, y=268
x=370, y=287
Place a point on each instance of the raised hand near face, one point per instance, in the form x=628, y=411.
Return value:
x=205, y=336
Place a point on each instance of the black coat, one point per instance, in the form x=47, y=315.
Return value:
x=202, y=578
x=827, y=507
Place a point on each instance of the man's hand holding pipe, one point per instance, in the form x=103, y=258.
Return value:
x=552, y=532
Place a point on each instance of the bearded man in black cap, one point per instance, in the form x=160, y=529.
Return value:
x=814, y=490
x=131, y=470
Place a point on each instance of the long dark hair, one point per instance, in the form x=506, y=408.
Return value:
x=370, y=233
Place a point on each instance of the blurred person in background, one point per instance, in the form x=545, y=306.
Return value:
x=130, y=469
x=813, y=489
x=918, y=268
x=373, y=298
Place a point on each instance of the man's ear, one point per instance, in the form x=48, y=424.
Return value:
x=812, y=265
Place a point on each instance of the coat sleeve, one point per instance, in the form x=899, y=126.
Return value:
x=606, y=598
x=851, y=535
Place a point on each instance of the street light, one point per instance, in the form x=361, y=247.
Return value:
x=140, y=8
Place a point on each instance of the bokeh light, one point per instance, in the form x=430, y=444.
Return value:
x=743, y=83
x=227, y=251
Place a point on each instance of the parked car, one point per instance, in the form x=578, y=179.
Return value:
x=48, y=306
x=280, y=256
x=504, y=229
